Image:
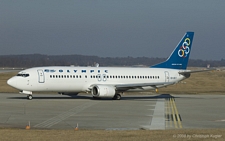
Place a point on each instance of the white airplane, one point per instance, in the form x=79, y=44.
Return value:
x=107, y=82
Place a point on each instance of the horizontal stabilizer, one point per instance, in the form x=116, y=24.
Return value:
x=194, y=71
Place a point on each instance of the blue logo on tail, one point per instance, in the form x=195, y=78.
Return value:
x=184, y=49
x=179, y=57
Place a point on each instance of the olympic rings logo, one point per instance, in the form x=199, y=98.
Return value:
x=184, y=49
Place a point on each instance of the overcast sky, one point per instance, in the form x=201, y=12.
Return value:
x=111, y=28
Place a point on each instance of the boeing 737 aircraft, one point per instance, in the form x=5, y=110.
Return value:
x=107, y=82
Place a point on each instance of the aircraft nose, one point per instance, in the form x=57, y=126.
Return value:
x=11, y=82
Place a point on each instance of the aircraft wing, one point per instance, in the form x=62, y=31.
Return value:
x=139, y=85
x=125, y=87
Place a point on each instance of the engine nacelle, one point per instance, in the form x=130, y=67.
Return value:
x=103, y=91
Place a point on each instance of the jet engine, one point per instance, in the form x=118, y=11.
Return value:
x=103, y=91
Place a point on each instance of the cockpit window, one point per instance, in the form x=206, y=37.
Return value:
x=23, y=75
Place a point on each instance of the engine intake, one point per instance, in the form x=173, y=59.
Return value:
x=103, y=91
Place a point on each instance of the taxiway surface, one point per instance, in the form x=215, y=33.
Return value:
x=152, y=112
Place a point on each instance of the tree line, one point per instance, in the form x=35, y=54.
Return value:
x=36, y=60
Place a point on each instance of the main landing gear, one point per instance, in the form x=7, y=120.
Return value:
x=29, y=97
x=117, y=97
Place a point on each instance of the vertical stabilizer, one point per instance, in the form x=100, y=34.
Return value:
x=180, y=55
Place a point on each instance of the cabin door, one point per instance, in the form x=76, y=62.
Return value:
x=41, y=77
x=167, y=76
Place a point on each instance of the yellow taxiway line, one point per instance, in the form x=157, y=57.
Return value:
x=172, y=114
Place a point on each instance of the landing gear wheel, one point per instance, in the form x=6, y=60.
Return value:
x=29, y=97
x=117, y=97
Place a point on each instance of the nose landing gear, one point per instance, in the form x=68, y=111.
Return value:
x=30, y=97
x=28, y=93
